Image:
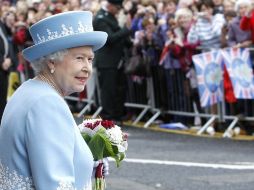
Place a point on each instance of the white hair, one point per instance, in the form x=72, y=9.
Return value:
x=241, y=2
x=183, y=12
x=40, y=64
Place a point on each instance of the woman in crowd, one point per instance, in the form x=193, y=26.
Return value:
x=183, y=51
x=236, y=36
x=247, y=21
x=207, y=29
x=40, y=144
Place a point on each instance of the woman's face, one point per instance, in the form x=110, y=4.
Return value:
x=228, y=6
x=170, y=8
x=10, y=19
x=207, y=10
x=243, y=8
x=72, y=73
x=184, y=21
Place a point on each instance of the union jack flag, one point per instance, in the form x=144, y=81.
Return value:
x=209, y=69
x=238, y=64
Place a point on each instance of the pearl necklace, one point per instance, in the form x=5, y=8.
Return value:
x=51, y=83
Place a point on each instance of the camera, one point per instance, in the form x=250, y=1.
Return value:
x=201, y=14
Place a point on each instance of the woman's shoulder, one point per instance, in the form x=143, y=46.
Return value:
x=34, y=92
x=35, y=89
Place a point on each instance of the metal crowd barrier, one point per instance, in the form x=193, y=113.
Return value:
x=168, y=96
x=165, y=92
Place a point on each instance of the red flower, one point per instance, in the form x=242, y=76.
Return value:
x=107, y=124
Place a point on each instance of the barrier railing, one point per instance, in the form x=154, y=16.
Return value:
x=167, y=92
x=180, y=105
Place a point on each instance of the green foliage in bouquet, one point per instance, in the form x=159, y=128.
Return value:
x=101, y=147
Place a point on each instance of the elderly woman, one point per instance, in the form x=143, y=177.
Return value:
x=247, y=21
x=236, y=36
x=182, y=49
x=40, y=144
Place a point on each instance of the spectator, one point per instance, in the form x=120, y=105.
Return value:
x=229, y=16
x=183, y=51
x=236, y=36
x=240, y=39
x=228, y=5
x=247, y=21
x=218, y=7
x=207, y=29
x=5, y=63
x=108, y=60
x=9, y=21
x=164, y=20
x=181, y=48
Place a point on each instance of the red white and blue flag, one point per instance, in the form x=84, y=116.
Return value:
x=209, y=69
x=238, y=64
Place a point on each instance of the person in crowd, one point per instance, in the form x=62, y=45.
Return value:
x=164, y=19
x=5, y=6
x=247, y=21
x=146, y=43
x=218, y=6
x=240, y=39
x=40, y=143
x=229, y=16
x=108, y=60
x=181, y=48
x=74, y=5
x=142, y=13
x=229, y=5
x=236, y=36
x=207, y=29
x=9, y=23
x=9, y=54
x=5, y=64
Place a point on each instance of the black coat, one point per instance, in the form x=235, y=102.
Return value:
x=118, y=38
x=3, y=73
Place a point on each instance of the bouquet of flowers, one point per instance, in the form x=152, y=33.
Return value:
x=105, y=139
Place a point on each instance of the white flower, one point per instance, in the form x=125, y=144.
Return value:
x=115, y=135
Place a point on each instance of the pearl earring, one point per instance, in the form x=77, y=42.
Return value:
x=52, y=71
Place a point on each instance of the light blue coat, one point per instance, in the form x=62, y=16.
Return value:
x=40, y=145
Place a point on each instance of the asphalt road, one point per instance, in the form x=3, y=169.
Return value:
x=164, y=161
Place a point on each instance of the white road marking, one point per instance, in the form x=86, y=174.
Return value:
x=238, y=166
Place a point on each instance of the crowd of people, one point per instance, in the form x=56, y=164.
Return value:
x=168, y=32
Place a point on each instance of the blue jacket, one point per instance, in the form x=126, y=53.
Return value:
x=40, y=144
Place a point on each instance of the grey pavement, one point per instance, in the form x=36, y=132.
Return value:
x=145, y=144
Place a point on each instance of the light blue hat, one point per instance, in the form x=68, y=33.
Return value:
x=63, y=31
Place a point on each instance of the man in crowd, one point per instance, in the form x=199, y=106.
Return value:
x=108, y=60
